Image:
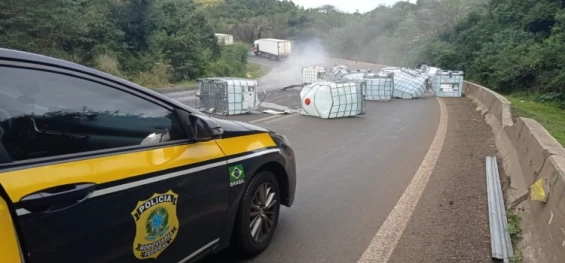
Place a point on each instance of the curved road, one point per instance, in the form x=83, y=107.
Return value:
x=351, y=173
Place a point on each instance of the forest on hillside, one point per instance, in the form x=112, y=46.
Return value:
x=508, y=45
x=152, y=42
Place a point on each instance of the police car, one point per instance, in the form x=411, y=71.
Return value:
x=94, y=168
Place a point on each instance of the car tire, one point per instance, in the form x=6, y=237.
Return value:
x=244, y=241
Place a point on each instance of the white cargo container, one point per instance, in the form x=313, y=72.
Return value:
x=224, y=39
x=328, y=100
x=313, y=74
x=228, y=96
x=272, y=48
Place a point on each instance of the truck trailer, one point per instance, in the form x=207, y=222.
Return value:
x=272, y=48
x=224, y=39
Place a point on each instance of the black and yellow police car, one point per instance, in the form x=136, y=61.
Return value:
x=94, y=168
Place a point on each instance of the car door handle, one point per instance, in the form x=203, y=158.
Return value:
x=57, y=198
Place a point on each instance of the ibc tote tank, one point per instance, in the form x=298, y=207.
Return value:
x=408, y=84
x=328, y=100
x=313, y=74
x=379, y=87
x=448, y=83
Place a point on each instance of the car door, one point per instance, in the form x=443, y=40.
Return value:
x=10, y=248
x=103, y=173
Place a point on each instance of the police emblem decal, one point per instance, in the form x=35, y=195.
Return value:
x=156, y=223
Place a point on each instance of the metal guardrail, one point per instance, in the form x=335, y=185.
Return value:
x=501, y=245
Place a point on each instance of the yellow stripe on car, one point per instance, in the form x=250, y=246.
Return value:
x=9, y=248
x=106, y=169
x=249, y=143
x=20, y=183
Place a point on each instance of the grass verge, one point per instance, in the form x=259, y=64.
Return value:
x=515, y=230
x=549, y=115
x=255, y=71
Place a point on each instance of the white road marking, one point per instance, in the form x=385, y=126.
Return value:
x=383, y=244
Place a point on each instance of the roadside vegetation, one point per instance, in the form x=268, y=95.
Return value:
x=547, y=113
x=507, y=45
x=515, y=231
x=151, y=42
x=255, y=71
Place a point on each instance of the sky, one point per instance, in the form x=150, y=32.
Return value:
x=349, y=6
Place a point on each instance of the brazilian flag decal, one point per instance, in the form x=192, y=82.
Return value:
x=237, y=175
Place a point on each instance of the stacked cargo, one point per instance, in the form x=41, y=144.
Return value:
x=228, y=96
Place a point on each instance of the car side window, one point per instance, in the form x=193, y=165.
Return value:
x=45, y=114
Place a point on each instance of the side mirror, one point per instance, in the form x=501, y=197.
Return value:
x=204, y=128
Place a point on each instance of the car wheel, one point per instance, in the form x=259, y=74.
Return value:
x=258, y=215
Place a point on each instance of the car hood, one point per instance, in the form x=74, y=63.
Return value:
x=238, y=128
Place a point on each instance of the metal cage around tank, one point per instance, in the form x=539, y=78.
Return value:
x=379, y=86
x=313, y=74
x=333, y=99
x=408, y=84
x=448, y=83
x=228, y=96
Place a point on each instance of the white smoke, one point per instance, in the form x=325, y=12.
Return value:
x=289, y=71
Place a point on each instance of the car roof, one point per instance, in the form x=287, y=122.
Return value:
x=16, y=55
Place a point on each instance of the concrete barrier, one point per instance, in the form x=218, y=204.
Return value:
x=490, y=101
x=529, y=153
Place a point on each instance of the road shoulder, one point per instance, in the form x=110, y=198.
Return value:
x=450, y=222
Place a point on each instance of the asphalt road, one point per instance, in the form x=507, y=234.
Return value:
x=351, y=171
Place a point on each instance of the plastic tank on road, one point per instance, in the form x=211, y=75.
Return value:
x=408, y=84
x=338, y=72
x=448, y=83
x=379, y=87
x=328, y=100
x=228, y=96
x=313, y=74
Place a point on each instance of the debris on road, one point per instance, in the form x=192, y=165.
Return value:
x=380, y=87
x=501, y=245
x=448, y=83
x=408, y=84
x=274, y=106
x=428, y=72
x=313, y=74
x=338, y=72
x=328, y=100
x=228, y=96
x=274, y=112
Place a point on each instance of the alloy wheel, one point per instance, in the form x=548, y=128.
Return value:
x=263, y=212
